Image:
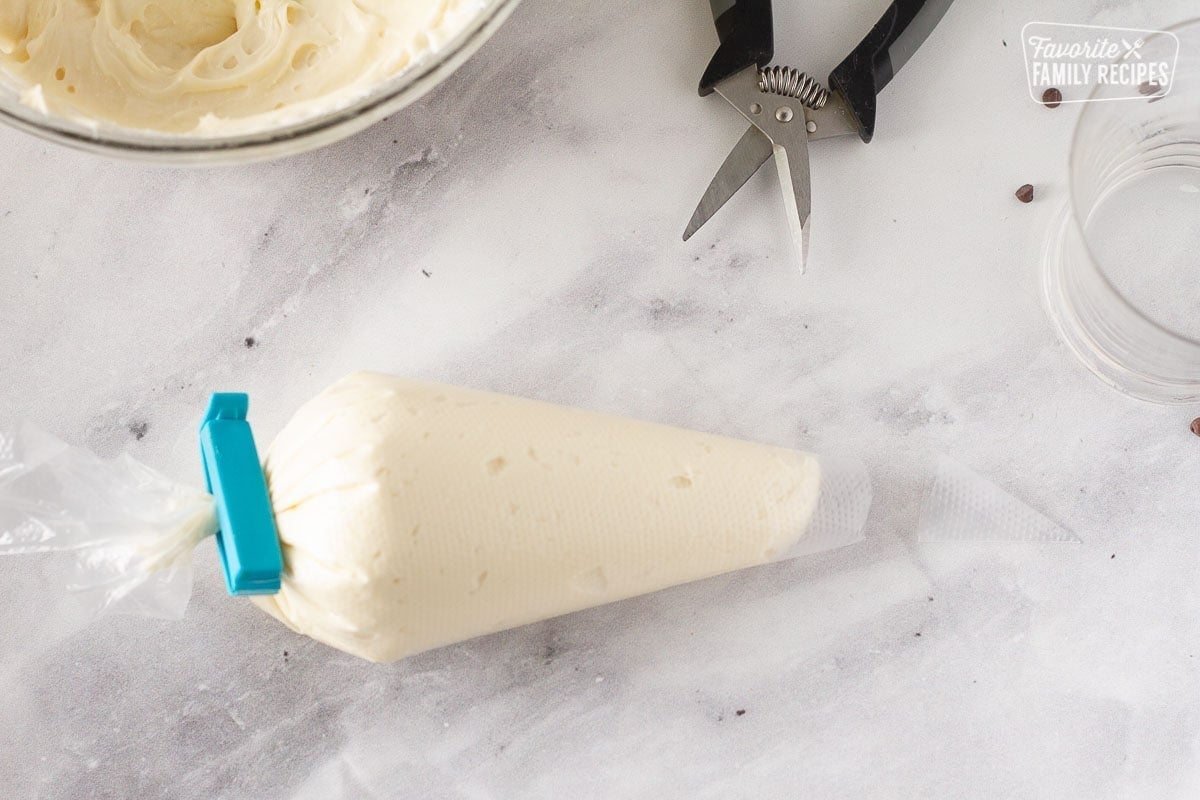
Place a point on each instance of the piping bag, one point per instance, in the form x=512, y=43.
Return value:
x=391, y=516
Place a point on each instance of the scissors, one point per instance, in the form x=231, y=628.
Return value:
x=787, y=108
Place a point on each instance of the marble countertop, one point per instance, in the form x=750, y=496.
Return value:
x=519, y=230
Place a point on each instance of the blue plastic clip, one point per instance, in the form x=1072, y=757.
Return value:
x=247, y=541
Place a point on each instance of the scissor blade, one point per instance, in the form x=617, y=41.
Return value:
x=796, y=183
x=743, y=161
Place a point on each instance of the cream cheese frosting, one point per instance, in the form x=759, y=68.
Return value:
x=414, y=515
x=214, y=67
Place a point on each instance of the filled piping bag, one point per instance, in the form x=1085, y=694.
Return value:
x=392, y=516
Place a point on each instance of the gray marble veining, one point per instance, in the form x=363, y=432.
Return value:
x=519, y=230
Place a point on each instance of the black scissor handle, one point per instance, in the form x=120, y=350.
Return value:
x=747, y=33
x=880, y=55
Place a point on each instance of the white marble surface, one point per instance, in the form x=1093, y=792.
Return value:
x=519, y=230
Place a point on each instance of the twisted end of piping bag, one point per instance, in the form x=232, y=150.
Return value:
x=247, y=541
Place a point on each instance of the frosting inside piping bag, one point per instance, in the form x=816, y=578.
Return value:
x=413, y=515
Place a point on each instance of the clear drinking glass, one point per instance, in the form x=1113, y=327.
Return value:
x=1121, y=273
x=386, y=98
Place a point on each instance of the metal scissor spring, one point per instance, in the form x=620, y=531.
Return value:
x=791, y=82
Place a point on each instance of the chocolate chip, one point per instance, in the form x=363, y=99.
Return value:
x=740, y=711
x=1196, y=426
x=1052, y=98
x=1146, y=87
x=139, y=429
x=1025, y=193
x=250, y=342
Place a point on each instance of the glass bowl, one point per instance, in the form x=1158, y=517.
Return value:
x=386, y=98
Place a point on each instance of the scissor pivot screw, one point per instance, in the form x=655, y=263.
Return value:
x=783, y=114
x=811, y=126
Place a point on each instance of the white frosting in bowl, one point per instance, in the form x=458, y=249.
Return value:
x=214, y=67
